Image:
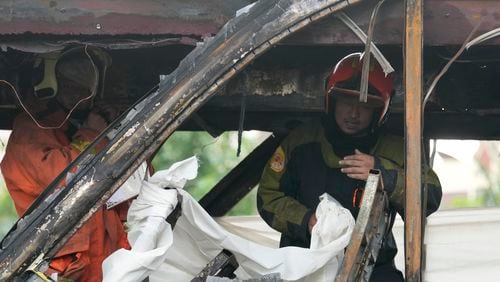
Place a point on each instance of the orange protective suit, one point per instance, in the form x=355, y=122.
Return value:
x=33, y=158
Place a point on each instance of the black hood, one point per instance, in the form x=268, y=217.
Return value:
x=344, y=144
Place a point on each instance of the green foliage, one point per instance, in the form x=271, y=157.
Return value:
x=8, y=214
x=217, y=157
x=485, y=198
x=466, y=202
x=246, y=206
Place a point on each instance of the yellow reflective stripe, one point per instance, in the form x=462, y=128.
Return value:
x=80, y=145
x=41, y=276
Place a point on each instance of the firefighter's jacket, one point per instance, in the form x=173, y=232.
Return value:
x=33, y=158
x=305, y=166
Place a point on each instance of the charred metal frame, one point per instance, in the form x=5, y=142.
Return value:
x=371, y=226
x=182, y=93
x=240, y=180
x=174, y=104
x=413, y=138
x=223, y=265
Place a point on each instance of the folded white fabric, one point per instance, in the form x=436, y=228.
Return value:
x=149, y=234
x=333, y=221
x=329, y=214
x=177, y=175
x=273, y=277
x=130, y=188
x=198, y=239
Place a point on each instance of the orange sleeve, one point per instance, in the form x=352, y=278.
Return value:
x=44, y=153
x=33, y=158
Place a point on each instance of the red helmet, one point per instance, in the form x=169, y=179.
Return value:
x=345, y=80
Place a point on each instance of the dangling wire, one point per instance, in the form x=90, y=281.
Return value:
x=93, y=93
x=25, y=108
x=241, y=122
x=447, y=66
x=433, y=153
x=430, y=90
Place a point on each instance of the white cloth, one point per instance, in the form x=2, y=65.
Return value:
x=198, y=239
x=130, y=188
x=251, y=227
x=150, y=235
x=177, y=175
x=327, y=229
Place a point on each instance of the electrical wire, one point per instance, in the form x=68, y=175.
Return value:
x=471, y=60
x=447, y=66
x=483, y=37
x=25, y=108
x=125, y=44
x=426, y=98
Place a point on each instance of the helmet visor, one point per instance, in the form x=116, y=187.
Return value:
x=79, y=71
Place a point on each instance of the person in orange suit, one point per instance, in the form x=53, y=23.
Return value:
x=42, y=144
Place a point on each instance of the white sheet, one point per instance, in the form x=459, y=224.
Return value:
x=197, y=239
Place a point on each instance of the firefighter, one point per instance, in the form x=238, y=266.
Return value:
x=334, y=154
x=52, y=133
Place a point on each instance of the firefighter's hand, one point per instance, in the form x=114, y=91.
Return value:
x=96, y=122
x=312, y=221
x=357, y=166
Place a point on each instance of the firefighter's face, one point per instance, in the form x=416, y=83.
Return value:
x=71, y=95
x=351, y=116
x=76, y=76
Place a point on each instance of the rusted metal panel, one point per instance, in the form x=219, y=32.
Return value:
x=111, y=17
x=446, y=22
x=413, y=139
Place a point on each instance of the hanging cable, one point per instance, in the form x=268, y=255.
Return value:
x=424, y=102
x=447, y=66
x=25, y=108
x=241, y=122
x=483, y=37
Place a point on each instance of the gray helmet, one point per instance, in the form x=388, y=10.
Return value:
x=83, y=65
